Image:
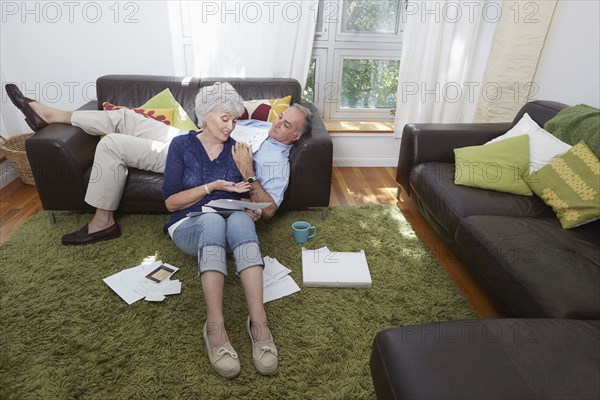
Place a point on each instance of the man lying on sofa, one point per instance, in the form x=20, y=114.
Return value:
x=133, y=140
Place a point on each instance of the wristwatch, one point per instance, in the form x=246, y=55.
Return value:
x=251, y=179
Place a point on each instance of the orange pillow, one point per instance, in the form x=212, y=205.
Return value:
x=164, y=115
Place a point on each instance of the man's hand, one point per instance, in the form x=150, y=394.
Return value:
x=255, y=214
x=242, y=155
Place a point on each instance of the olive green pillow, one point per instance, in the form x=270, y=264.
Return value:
x=570, y=184
x=181, y=119
x=496, y=166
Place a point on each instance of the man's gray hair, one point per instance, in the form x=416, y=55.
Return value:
x=220, y=96
x=307, y=125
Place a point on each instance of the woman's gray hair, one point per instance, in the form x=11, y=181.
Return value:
x=220, y=96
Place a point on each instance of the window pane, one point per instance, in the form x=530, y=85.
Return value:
x=308, y=95
x=377, y=16
x=369, y=83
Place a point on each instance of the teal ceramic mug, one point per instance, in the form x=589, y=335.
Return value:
x=302, y=231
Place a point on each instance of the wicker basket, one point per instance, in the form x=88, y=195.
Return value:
x=14, y=149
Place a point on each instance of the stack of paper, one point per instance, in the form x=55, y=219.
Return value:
x=277, y=282
x=325, y=268
x=132, y=284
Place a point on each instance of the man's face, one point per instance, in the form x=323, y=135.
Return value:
x=286, y=128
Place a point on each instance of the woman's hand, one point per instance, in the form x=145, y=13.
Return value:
x=226, y=186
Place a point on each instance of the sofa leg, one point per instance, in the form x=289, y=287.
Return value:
x=398, y=192
x=324, y=213
x=51, y=217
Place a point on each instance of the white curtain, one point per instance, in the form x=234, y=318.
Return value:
x=253, y=39
x=445, y=47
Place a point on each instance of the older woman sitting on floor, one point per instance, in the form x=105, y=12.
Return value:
x=200, y=168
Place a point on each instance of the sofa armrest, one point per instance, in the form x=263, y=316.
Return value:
x=59, y=155
x=436, y=142
x=311, y=161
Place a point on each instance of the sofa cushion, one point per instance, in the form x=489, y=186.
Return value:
x=498, y=166
x=164, y=115
x=577, y=123
x=433, y=184
x=570, y=184
x=266, y=109
x=537, y=268
x=488, y=359
x=543, y=146
x=181, y=119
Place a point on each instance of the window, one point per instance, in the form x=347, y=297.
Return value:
x=356, y=57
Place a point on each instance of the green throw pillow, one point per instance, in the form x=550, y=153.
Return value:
x=496, y=166
x=577, y=123
x=181, y=119
x=570, y=184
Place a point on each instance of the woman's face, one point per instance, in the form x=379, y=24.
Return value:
x=220, y=124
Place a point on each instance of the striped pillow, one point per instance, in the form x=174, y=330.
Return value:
x=570, y=184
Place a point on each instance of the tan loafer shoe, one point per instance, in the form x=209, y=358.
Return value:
x=223, y=359
x=264, y=354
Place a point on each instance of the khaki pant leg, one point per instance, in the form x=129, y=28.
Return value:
x=125, y=122
x=114, y=154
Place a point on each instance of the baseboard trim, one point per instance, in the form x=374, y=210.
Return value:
x=364, y=162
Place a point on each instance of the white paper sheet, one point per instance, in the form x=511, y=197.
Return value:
x=277, y=282
x=251, y=135
x=281, y=288
x=132, y=285
x=236, y=204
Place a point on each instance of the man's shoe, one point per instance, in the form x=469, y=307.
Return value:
x=22, y=103
x=83, y=237
x=223, y=359
x=264, y=354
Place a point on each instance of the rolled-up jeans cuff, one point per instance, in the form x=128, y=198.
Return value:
x=212, y=258
x=247, y=255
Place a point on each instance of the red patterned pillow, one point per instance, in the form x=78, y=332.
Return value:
x=265, y=110
x=164, y=115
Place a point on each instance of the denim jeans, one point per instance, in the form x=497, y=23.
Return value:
x=209, y=235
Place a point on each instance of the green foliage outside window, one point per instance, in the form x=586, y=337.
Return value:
x=308, y=95
x=369, y=83
x=371, y=15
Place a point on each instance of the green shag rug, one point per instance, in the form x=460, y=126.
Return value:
x=66, y=335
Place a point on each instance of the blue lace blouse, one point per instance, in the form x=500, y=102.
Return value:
x=188, y=166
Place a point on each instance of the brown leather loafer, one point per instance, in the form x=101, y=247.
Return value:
x=83, y=237
x=22, y=103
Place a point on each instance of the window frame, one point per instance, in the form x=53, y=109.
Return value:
x=340, y=55
x=333, y=45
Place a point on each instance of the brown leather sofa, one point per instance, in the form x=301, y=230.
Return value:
x=530, y=267
x=61, y=156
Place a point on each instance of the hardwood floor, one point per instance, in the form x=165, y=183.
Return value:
x=350, y=186
x=18, y=202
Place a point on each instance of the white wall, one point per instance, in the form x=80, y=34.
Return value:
x=569, y=65
x=54, y=51
x=365, y=150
